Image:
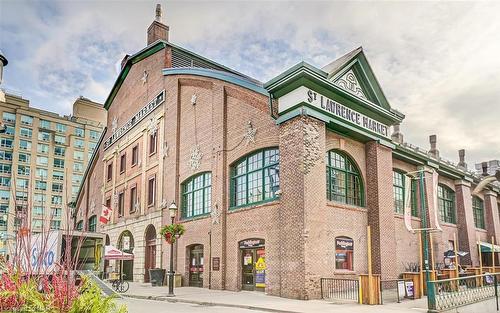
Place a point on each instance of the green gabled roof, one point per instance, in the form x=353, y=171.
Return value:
x=152, y=49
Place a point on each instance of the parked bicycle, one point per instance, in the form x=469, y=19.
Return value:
x=117, y=282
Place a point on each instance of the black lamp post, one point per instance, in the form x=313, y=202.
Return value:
x=172, y=209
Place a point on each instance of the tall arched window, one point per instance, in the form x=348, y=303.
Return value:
x=446, y=204
x=343, y=180
x=255, y=178
x=478, y=209
x=197, y=195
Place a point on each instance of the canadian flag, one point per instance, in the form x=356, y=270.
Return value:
x=105, y=214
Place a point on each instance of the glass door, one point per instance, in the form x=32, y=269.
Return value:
x=247, y=266
x=196, y=266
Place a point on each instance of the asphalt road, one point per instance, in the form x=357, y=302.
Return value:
x=141, y=306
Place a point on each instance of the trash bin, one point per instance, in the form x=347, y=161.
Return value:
x=156, y=276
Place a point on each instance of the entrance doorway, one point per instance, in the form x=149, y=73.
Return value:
x=196, y=265
x=253, y=264
x=126, y=244
x=150, y=252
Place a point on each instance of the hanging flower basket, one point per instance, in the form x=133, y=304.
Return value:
x=172, y=232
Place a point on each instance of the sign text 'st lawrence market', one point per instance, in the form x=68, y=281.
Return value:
x=346, y=113
x=139, y=116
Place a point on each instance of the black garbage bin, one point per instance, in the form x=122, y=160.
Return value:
x=156, y=276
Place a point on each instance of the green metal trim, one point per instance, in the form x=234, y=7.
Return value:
x=220, y=75
x=139, y=56
x=191, y=194
x=329, y=167
x=233, y=177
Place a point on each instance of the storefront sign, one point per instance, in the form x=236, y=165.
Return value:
x=332, y=107
x=251, y=243
x=215, y=263
x=344, y=243
x=409, y=289
x=139, y=116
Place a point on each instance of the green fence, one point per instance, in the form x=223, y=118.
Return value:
x=452, y=293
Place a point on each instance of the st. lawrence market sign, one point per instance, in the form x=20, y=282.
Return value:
x=139, y=116
x=332, y=107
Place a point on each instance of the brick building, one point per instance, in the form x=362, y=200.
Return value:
x=245, y=162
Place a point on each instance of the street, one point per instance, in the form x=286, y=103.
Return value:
x=140, y=306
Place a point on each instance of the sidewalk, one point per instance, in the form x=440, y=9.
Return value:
x=262, y=302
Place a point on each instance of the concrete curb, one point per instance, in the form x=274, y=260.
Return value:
x=178, y=300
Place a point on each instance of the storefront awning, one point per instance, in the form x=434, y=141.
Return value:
x=486, y=247
x=111, y=253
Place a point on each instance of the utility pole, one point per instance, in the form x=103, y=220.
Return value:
x=430, y=290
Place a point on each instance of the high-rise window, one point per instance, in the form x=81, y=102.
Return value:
x=79, y=143
x=22, y=183
x=43, y=136
x=4, y=181
x=40, y=185
x=61, y=140
x=7, y=143
x=5, y=168
x=42, y=160
x=78, y=167
x=42, y=173
x=94, y=134
x=61, y=128
x=8, y=117
x=57, y=175
x=25, y=145
x=56, y=200
x=59, y=151
x=23, y=170
x=80, y=132
x=57, y=187
x=41, y=148
x=44, y=124
x=26, y=132
x=58, y=163
x=10, y=130
x=26, y=120
x=78, y=155
x=5, y=155
x=24, y=157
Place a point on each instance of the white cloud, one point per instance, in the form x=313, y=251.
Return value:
x=437, y=62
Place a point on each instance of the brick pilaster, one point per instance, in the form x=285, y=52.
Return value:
x=491, y=215
x=379, y=200
x=465, y=223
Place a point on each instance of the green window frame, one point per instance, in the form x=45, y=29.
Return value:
x=414, y=198
x=478, y=209
x=344, y=183
x=446, y=204
x=79, y=225
x=197, y=195
x=398, y=187
x=255, y=178
x=93, y=223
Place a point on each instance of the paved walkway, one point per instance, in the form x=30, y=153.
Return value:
x=261, y=302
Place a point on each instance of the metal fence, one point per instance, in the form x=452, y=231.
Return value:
x=451, y=293
x=390, y=291
x=340, y=289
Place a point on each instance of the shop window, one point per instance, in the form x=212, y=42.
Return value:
x=255, y=178
x=344, y=249
x=478, y=209
x=343, y=179
x=446, y=204
x=197, y=195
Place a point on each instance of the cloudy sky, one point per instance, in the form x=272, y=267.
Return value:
x=438, y=63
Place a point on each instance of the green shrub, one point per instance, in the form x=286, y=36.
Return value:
x=92, y=300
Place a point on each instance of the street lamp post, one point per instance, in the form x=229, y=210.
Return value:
x=172, y=209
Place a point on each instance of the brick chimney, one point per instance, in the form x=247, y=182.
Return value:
x=397, y=135
x=434, y=152
x=484, y=166
x=461, y=159
x=157, y=30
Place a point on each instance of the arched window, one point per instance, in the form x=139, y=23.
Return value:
x=344, y=249
x=93, y=223
x=255, y=178
x=446, y=204
x=478, y=209
x=197, y=195
x=79, y=226
x=343, y=180
x=399, y=188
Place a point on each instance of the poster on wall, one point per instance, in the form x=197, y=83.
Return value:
x=260, y=272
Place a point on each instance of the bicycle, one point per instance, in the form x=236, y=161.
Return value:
x=119, y=284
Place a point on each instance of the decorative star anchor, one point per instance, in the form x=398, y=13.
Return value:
x=250, y=134
x=114, y=124
x=196, y=156
x=194, y=97
x=215, y=215
x=165, y=150
x=144, y=77
x=153, y=126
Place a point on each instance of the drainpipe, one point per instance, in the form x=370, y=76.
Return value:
x=271, y=106
x=209, y=260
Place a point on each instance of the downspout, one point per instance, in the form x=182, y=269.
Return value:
x=271, y=106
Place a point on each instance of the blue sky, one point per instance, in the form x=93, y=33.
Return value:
x=437, y=62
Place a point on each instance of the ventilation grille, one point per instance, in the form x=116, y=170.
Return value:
x=182, y=60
